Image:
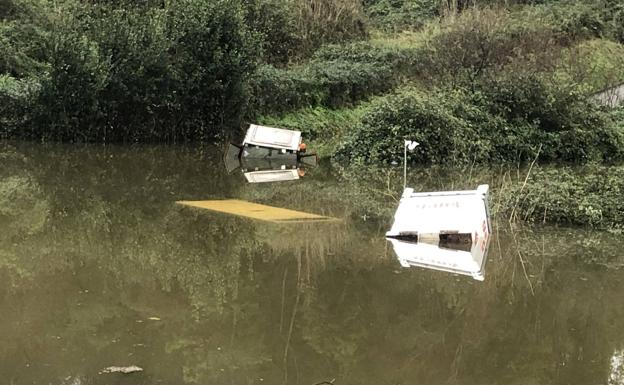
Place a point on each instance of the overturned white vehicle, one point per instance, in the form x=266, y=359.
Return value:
x=444, y=230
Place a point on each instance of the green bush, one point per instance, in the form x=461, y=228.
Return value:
x=593, y=64
x=336, y=76
x=555, y=116
x=330, y=83
x=213, y=55
x=449, y=128
x=15, y=97
x=401, y=60
x=117, y=73
x=572, y=19
x=347, y=82
x=481, y=42
x=614, y=14
x=577, y=20
x=22, y=42
x=274, y=21
x=562, y=195
x=512, y=119
x=322, y=127
x=277, y=90
x=68, y=106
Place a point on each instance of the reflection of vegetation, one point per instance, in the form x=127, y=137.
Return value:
x=23, y=209
x=240, y=300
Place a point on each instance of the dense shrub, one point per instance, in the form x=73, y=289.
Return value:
x=15, y=97
x=214, y=55
x=22, y=42
x=562, y=121
x=8, y=9
x=68, y=105
x=401, y=60
x=576, y=20
x=277, y=90
x=125, y=71
x=346, y=82
x=336, y=75
x=292, y=30
x=510, y=119
x=614, y=14
x=179, y=71
x=449, y=128
x=274, y=21
x=330, y=83
x=322, y=127
x=482, y=41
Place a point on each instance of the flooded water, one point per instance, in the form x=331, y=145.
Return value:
x=100, y=267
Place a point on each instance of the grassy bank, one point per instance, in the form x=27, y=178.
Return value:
x=486, y=85
x=591, y=196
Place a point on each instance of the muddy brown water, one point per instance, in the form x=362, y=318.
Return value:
x=99, y=267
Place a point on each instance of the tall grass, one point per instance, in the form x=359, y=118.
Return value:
x=328, y=21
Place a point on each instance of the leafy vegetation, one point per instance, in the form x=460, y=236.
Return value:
x=487, y=85
x=499, y=122
x=584, y=197
x=400, y=15
x=174, y=70
x=478, y=81
x=593, y=64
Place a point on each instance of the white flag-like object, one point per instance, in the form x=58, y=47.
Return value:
x=411, y=144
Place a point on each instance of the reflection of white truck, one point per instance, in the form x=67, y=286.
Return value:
x=279, y=175
x=445, y=230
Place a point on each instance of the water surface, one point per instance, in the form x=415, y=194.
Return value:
x=100, y=267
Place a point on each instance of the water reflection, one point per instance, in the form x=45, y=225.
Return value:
x=276, y=168
x=93, y=248
x=616, y=377
x=460, y=258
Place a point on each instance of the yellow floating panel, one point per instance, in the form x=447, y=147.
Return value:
x=256, y=211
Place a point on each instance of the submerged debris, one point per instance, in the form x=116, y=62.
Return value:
x=121, y=369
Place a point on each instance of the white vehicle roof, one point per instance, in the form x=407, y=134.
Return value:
x=271, y=137
x=442, y=212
